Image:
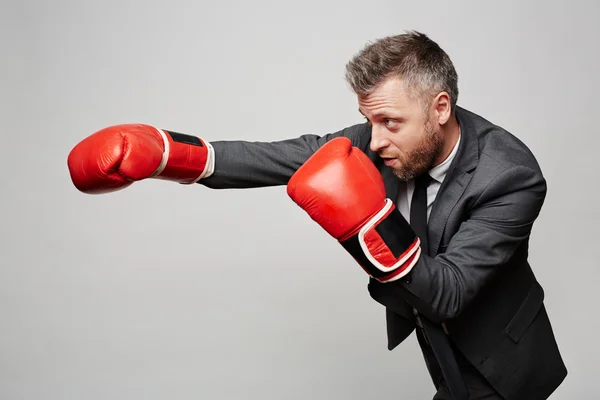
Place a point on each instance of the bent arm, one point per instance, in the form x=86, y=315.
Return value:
x=442, y=287
x=244, y=164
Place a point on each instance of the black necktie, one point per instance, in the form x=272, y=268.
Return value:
x=435, y=334
x=418, y=209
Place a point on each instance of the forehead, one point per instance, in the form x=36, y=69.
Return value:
x=390, y=94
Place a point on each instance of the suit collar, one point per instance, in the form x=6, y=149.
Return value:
x=468, y=152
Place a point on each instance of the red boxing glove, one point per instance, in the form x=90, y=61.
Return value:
x=115, y=157
x=341, y=189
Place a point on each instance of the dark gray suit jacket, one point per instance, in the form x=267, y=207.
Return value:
x=475, y=276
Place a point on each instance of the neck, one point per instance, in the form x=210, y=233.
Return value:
x=450, y=132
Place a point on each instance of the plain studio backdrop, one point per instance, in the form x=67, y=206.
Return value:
x=165, y=291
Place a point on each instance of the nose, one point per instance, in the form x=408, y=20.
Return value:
x=379, y=140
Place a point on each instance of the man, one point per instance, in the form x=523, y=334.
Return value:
x=457, y=273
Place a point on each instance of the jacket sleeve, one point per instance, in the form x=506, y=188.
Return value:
x=500, y=221
x=247, y=164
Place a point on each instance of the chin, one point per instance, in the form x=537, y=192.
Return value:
x=405, y=174
x=402, y=175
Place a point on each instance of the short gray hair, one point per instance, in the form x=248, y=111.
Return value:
x=412, y=56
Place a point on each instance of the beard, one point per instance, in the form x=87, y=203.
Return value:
x=421, y=159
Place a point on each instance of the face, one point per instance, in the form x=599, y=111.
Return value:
x=407, y=138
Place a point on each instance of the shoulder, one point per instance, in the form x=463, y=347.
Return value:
x=498, y=146
x=359, y=134
x=506, y=167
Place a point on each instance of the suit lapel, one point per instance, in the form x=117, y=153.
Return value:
x=446, y=199
x=455, y=182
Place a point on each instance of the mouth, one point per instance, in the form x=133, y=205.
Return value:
x=389, y=161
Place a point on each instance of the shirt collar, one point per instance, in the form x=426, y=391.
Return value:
x=439, y=171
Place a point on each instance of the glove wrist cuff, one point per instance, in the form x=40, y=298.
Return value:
x=386, y=247
x=186, y=158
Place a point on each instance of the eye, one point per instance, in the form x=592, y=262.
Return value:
x=390, y=123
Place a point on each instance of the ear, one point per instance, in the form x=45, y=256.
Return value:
x=442, y=108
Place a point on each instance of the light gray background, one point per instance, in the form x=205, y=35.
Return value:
x=164, y=291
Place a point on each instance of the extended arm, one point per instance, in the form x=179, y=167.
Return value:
x=117, y=156
x=246, y=164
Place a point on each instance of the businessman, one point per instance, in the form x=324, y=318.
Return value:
x=434, y=202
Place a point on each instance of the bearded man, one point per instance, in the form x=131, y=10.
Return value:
x=434, y=202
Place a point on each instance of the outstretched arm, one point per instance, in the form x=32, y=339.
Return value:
x=245, y=164
x=115, y=157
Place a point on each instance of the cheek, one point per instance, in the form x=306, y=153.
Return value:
x=407, y=139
